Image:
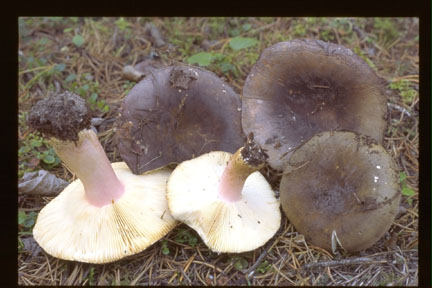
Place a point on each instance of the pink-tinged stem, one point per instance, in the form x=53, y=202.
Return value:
x=234, y=177
x=88, y=161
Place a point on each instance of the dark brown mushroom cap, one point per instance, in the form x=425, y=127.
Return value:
x=302, y=87
x=177, y=113
x=342, y=182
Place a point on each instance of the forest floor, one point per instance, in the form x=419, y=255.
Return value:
x=87, y=56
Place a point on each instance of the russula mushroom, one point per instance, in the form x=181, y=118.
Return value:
x=302, y=87
x=341, y=186
x=109, y=212
x=225, y=199
x=177, y=113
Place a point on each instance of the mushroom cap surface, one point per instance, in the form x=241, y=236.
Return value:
x=342, y=182
x=177, y=113
x=70, y=228
x=302, y=87
x=234, y=227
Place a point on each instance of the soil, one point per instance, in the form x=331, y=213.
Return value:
x=252, y=153
x=61, y=116
x=181, y=77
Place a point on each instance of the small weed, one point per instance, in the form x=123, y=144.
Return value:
x=217, y=26
x=299, y=29
x=238, y=43
x=405, y=190
x=91, y=277
x=34, y=146
x=202, y=58
x=263, y=267
x=99, y=104
x=26, y=222
x=122, y=24
x=386, y=29
x=185, y=236
x=405, y=89
x=127, y=86
x=20, y=246
x=78, y=40
x=239, y=262
x=87, y=89
x=41, y=71
x=165, y=249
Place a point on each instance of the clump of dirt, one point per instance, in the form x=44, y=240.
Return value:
x=252, y=153
x=61, y=116
x=181, y=77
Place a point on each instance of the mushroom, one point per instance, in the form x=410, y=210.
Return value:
x=225, y=199
x=177, y=113
x=109, y=212
x=302, y=87
x=341, y=187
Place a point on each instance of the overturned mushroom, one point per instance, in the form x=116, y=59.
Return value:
x=108, y=213
x=175, y=114
x=223, y=197
x=302, y=87
x=341, y=186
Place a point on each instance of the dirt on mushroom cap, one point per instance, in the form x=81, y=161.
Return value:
x=342, y=182
x=61, y=116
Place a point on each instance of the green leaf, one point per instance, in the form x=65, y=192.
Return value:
x=238, y=43
x=409, y=200
x=78, y=40
x=240, y=263
x=234, y=32
x=59, y=67
x=93, y=97
x=36, y=143
x=165, y=250
x=407, y=191
x=402, y=177
x=23, y=150
x=246, y=27
x=226, y=67
x=71, y=77
x=21, y=217
x=201, y=58
x=192, y=241
x=263, y=267
x=122, y=24
x=26, y=220
x=49, y=159
x=105, y=109
x=100, y=104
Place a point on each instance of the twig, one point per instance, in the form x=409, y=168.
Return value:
x=399, y=108
x=250, y=271
x=349, y=261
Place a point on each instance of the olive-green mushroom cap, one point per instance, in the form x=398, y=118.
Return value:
x=341, y=183
x=302, y=87
x=177, y=113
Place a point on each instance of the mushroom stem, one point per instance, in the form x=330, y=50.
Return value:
x=241, y=164
x=87, y=159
